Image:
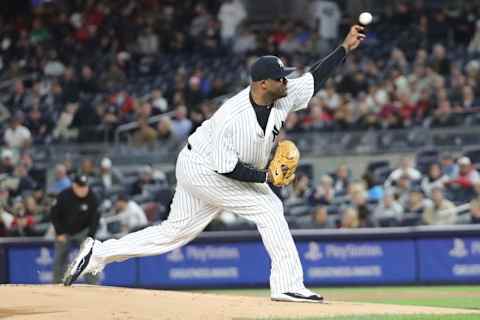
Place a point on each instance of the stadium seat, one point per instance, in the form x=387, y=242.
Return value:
x=473, y=154
x=376, y=164
x=425, y=158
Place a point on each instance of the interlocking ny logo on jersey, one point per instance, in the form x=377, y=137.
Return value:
x=276, y=131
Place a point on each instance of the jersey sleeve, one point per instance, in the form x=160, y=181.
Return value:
x=300, y=91
x=224, y=155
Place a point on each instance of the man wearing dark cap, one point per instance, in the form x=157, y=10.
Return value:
x=75, y=217
x=222, y=168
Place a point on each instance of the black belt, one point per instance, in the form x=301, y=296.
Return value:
x=189, y=146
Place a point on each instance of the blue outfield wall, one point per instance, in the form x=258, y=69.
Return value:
x=367, y=257
x=449, y=260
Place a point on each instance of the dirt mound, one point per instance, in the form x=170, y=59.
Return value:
x=93, y=302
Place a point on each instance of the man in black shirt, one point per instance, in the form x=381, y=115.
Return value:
x=75, y=217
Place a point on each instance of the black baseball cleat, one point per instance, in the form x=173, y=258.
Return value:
x=304, y=295
x=80, y=262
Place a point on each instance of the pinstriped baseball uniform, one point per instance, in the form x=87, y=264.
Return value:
x=231, y=135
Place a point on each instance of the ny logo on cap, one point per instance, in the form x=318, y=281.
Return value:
x=280, y=63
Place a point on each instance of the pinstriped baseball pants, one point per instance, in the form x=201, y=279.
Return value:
x=200, y=195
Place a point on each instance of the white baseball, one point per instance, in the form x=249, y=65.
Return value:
x=365, y=18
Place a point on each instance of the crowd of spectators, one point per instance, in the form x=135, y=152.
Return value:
x=444, y=190
x=74, y=71
x=128, y=199
x=80, y=69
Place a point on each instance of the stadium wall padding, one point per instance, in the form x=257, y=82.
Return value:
x=418, y=255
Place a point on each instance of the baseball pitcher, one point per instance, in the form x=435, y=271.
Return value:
x=224, y=167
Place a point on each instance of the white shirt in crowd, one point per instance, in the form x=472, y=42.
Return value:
x=231, y=14
x=131, y=217
x=329, y=16
x=16, y=138
x=412, y=173
x=7, y=219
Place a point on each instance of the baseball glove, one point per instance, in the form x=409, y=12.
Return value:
x=281, y=170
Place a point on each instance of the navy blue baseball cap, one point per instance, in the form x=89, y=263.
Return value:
x=269, y=67
x=80, y=179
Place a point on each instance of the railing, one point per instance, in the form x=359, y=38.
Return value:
x=128, y=127
x=8, y=83
x=312, y=144
x=386, y=141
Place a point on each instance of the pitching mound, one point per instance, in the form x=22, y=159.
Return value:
x=92, y=302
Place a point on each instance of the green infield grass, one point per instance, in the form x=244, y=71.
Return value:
x=463, y=297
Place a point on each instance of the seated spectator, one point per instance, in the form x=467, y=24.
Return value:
x=4, y=196
x=63, y=129
x=300, y=190
x=440, y=61
x=87, y=167
x=443, y=116
x=467, y=175
x=7, y=164
x=318, y=219
x=61, y=180
x=441, y=211
x=38, y=213
x=110, y=178
x=181, y=125
x=358, y=201
x=24, y=181
x=448, y=165
x=349, y=219
x=475, y=211
x=475, y=204
x=474, y=45
x=23, y=222
x=88, y=81
x=128, y=214
x=230, y=16
x=417, y=202
x=388, y=209
x=402, y=189
x=147, y=41
x=406, y=168
x=145, y=135
x=38, y=124
x=17, y=135
x=415, y=207
x=144, y=110
x=158, y=101
x=375, y=190
x=16, y=100
x=468, y=99
x=324, y=193
x=434, y=178
x=114, y=77
x=245, y=42
x=164, y=130
x=341, y=180
x=6, y=220
x=146, y=178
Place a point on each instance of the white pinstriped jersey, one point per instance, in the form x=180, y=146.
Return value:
x=233, y=134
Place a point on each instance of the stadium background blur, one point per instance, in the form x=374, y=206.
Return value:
x=113, y=88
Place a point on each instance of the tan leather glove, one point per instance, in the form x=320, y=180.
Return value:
x=281, y=170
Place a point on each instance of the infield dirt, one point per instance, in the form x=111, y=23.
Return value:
x=83, y=302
